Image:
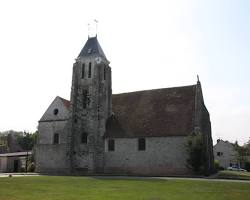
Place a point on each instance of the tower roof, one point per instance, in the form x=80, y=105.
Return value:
x=92, y=47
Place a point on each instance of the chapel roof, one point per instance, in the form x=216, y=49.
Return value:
x=92, y=47
x=65, y=102
x=153, y=113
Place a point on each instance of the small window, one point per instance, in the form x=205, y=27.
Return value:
x=83, y=71
x=55, y=111
x=104, y=73
x=219, y=153
x=141, y=144
x=89, y=50
x=84, y=138
x=90, y=68
x=111, y=145
x=56, y=138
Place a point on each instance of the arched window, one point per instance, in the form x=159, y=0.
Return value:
x=104, y=72
x=56, y=138
x=84, y=138
x=83, y=70
x=90, y=68
x=111, y=145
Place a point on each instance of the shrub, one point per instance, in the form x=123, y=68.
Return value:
x=247, y=166
x=22, y=169
x=196, y=155
x=31, y=167
x=217, y=166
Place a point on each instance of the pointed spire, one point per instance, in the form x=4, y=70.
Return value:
x=198, y=80
x=92, y=47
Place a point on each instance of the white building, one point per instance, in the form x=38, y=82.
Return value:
x=225, y=153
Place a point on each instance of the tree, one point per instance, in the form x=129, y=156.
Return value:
x=196, y=154
x=242, y=153
x=247, y=147
x=27, y=140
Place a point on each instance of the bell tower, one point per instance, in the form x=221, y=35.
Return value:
x=90, y=108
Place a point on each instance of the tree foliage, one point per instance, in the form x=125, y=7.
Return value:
x=242, y=151
x=196, y=154
x=27, y=140
x=15, y=133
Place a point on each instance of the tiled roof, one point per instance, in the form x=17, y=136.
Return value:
x=65, y=102
x=153, y=113
x=92, y=47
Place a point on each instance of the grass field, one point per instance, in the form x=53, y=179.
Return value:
x=77, y=188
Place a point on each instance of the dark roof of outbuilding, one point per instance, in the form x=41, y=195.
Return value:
x=153, y=113
x=92, y=47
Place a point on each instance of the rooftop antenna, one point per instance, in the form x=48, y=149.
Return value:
x=88, y=30
x=96, y=25
x=92, y=28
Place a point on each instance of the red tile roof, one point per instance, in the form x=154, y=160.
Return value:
x=153, y=113
x=65, y=102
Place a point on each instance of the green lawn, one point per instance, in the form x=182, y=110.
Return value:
x=77, y=188
x=234, y=175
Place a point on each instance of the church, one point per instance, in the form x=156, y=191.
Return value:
x=136, y=133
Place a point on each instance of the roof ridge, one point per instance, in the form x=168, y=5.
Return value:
x=65, y=102
x=156, y=89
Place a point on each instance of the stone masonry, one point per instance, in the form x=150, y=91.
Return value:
x=141, y=132
x=91, y=107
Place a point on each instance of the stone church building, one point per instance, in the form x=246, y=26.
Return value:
x=142, y=133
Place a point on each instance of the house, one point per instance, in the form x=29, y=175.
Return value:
x=225, y=153
x=14, y=162
x=142, y=133
x=12, y=157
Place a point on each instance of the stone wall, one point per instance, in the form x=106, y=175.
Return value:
x=202, y=125
x=91, y=106
x=162, y=156
x=52, y=157
x=62, y=114
x=3, y=164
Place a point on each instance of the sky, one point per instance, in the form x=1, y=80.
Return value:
x=150, y=44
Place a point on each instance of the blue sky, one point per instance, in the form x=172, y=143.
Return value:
x=151, y=44
x=224, y=49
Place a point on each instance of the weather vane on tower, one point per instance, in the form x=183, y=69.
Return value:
x=92, y=28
